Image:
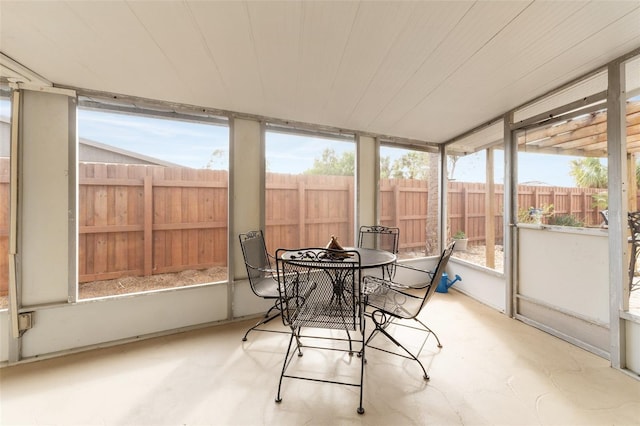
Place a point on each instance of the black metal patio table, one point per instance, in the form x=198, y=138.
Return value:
x=369, y=258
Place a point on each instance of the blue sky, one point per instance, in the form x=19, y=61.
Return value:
x=185, y=143
x=286, y=154
x=546, y=168
x=192, y=145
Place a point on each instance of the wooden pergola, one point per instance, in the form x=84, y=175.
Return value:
x=583, y=135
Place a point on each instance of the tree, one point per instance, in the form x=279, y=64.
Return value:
x=452, y=160
x=589, y=173
x=217, y=160
x=412, y=165
x=385, y=167
x=432, y=236
x=330, y=164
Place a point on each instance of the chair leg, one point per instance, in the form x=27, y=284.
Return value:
x=284, y=366
x=430, y=331
x=362, y=361
x=380, y=327
x=296, y=334
x=632, y=264
x=426, y=328
x=267, y=318
x=390, y=337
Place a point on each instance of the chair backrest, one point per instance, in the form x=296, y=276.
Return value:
x=634, y=225
x=256, y=257
x=320, y=288
x=379, y=237
x=437, y=274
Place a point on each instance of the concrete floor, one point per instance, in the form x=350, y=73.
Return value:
x=492, y=370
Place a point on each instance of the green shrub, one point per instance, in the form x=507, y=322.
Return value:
x=565, y=220
x=460, y=235
x=529, y=215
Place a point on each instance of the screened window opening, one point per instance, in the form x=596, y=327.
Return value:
x=408, y=199
x=562, y=172
x=309, y=190
x=571, y=190
x=152, y=202
x=632, y=86
x=475, y=200
x=5, y=153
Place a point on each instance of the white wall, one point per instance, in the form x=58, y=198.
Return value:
x=563, y=282
x=78, y=325
x=482, y=284
x=566, y=269
x=4, y=336
x=633, y=346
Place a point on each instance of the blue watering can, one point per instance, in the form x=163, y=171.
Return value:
x=445, y=282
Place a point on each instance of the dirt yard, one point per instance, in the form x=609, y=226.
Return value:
x=476, y=254
x=154, y=282
x=473, y=254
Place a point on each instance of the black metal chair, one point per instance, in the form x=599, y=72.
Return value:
x=380, y=238
x=634, y=240
x=391, y=302
x=325, y=294
x=262, y=277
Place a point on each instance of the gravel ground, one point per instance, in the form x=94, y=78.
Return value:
x=476, y=254
x=128, y=285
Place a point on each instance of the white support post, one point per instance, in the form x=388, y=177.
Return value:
x=511, y=214
x=618, y=246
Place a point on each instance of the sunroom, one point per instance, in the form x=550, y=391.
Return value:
x=139, y=139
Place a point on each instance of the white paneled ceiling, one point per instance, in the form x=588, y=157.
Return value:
x=422, y=70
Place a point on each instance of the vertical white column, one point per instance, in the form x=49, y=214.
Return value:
x=618, y=246
x=45, y=219
x=247, y=185
x=367, y=182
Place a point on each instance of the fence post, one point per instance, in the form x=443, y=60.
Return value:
x=148, y=224
x=489, y=209
x=350, y=209
x=465, y=209
x=396, y=205
x=301, y=212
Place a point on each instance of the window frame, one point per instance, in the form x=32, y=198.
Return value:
x=161, y=111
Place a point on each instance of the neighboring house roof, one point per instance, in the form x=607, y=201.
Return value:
x=91, y=151
x=534, y=183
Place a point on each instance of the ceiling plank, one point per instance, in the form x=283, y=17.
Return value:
x=173, y=29
x=227, y=33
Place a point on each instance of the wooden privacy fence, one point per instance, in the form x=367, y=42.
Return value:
x=466, y=206
x=140, y=220
x=404, y=203
x=306, y=210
